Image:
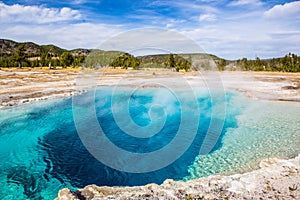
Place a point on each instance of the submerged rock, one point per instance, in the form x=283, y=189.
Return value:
x=276, y=179
x=31, y=183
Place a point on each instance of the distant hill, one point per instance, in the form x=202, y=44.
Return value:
x=30, y=54
x=80, y=52
x=195, y=60
x=9, y=47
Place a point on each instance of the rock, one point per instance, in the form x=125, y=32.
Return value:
x=276, y=179
x=66, y=194
x=25, y=101
x=85, y=194
x=290, y=87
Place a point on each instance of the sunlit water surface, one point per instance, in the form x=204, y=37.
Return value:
x=40, y=150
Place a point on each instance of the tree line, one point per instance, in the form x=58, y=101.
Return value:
x=179, y=63
x=22, y=59
x=98, y=58
x=288, y=63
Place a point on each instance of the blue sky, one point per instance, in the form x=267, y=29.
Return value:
x=229, y=29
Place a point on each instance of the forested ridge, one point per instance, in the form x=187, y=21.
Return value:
x=28, y=54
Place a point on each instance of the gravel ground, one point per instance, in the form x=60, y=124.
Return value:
x=19, y=87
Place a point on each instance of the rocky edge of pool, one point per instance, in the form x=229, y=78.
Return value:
x=276, y=178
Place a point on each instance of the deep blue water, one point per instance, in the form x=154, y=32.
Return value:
x=41, y=152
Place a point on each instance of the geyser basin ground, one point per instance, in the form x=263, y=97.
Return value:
x=42, y=153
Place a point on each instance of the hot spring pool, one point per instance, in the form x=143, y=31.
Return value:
x=41, y=152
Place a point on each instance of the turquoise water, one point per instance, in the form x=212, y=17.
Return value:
x=264, y=129
x=41, y=152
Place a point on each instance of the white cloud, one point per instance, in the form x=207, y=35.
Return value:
x=169, y=25
x=207, y=1
x=233, y=39
x=207, y=17
x=232, y=35
x=184, y=5
x=78, y=1
x=246, y=2
x=287, y=10
x=69, y=36
x=36, y=14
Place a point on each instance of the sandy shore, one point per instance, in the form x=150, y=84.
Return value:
x=264, y=85
x=23, y=86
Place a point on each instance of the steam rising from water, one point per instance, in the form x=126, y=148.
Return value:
x=34, y=139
